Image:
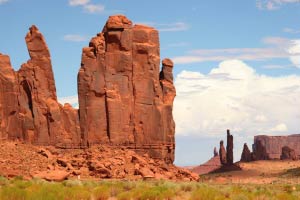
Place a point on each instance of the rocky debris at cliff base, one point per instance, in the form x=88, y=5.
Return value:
x=97, y=162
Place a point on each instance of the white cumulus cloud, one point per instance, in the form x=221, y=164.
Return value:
x=88, y=6
x=294, y=50
x=73, y=100
x=233, y=96
x=94, y=8
x=279, y=128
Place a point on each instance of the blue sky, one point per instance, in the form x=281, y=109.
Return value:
x=242, y=56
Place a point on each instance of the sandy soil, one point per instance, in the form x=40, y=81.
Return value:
x=259, y=172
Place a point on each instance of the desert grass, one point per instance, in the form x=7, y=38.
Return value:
x=37, y=189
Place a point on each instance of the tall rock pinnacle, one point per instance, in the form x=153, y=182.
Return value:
x=123, y=97
x=30, y=111
x=229, y=148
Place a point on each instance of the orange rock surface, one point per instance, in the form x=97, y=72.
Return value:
x=124, y=99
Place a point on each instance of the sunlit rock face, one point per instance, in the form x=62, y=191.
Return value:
x=124, y=98
x=29, y=108
x=272, y=147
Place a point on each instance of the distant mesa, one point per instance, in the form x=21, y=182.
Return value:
x=124, y=98
x=273, y=148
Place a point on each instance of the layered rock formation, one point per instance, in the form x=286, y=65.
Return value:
x=222, y=153
x=30, y=111
x=288, y=154
x=246, y=154
x=270, y=147
x=123, y=98
x=229, y=148
x=216, y=152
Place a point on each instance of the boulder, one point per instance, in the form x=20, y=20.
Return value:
x=54, y=175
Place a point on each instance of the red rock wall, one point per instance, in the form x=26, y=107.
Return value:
x=123, y=97
x=273, y=145
x=29, y=108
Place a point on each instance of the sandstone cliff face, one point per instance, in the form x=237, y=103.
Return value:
x=288, y=154
x=9, y=120
x=229, y=148
x=123, y=97
x=29, y=109
x=270, y=147
x=246, y=154
x=222, y=153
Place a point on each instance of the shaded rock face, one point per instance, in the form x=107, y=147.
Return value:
x=9, y=118
x=229, y=148
x=259, y=151
x=29, y=107
x=288, y=154
x=123, y=97
x=270, y=147
x=222, y=153
x=216, y=152
x=246, y=154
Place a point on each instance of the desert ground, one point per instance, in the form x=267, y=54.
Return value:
x=259, y=180
x=259, y=172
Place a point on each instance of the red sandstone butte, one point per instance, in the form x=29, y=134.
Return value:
x=270, y=147
x=246, y=154
x=123, y=97
x=43, y=120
